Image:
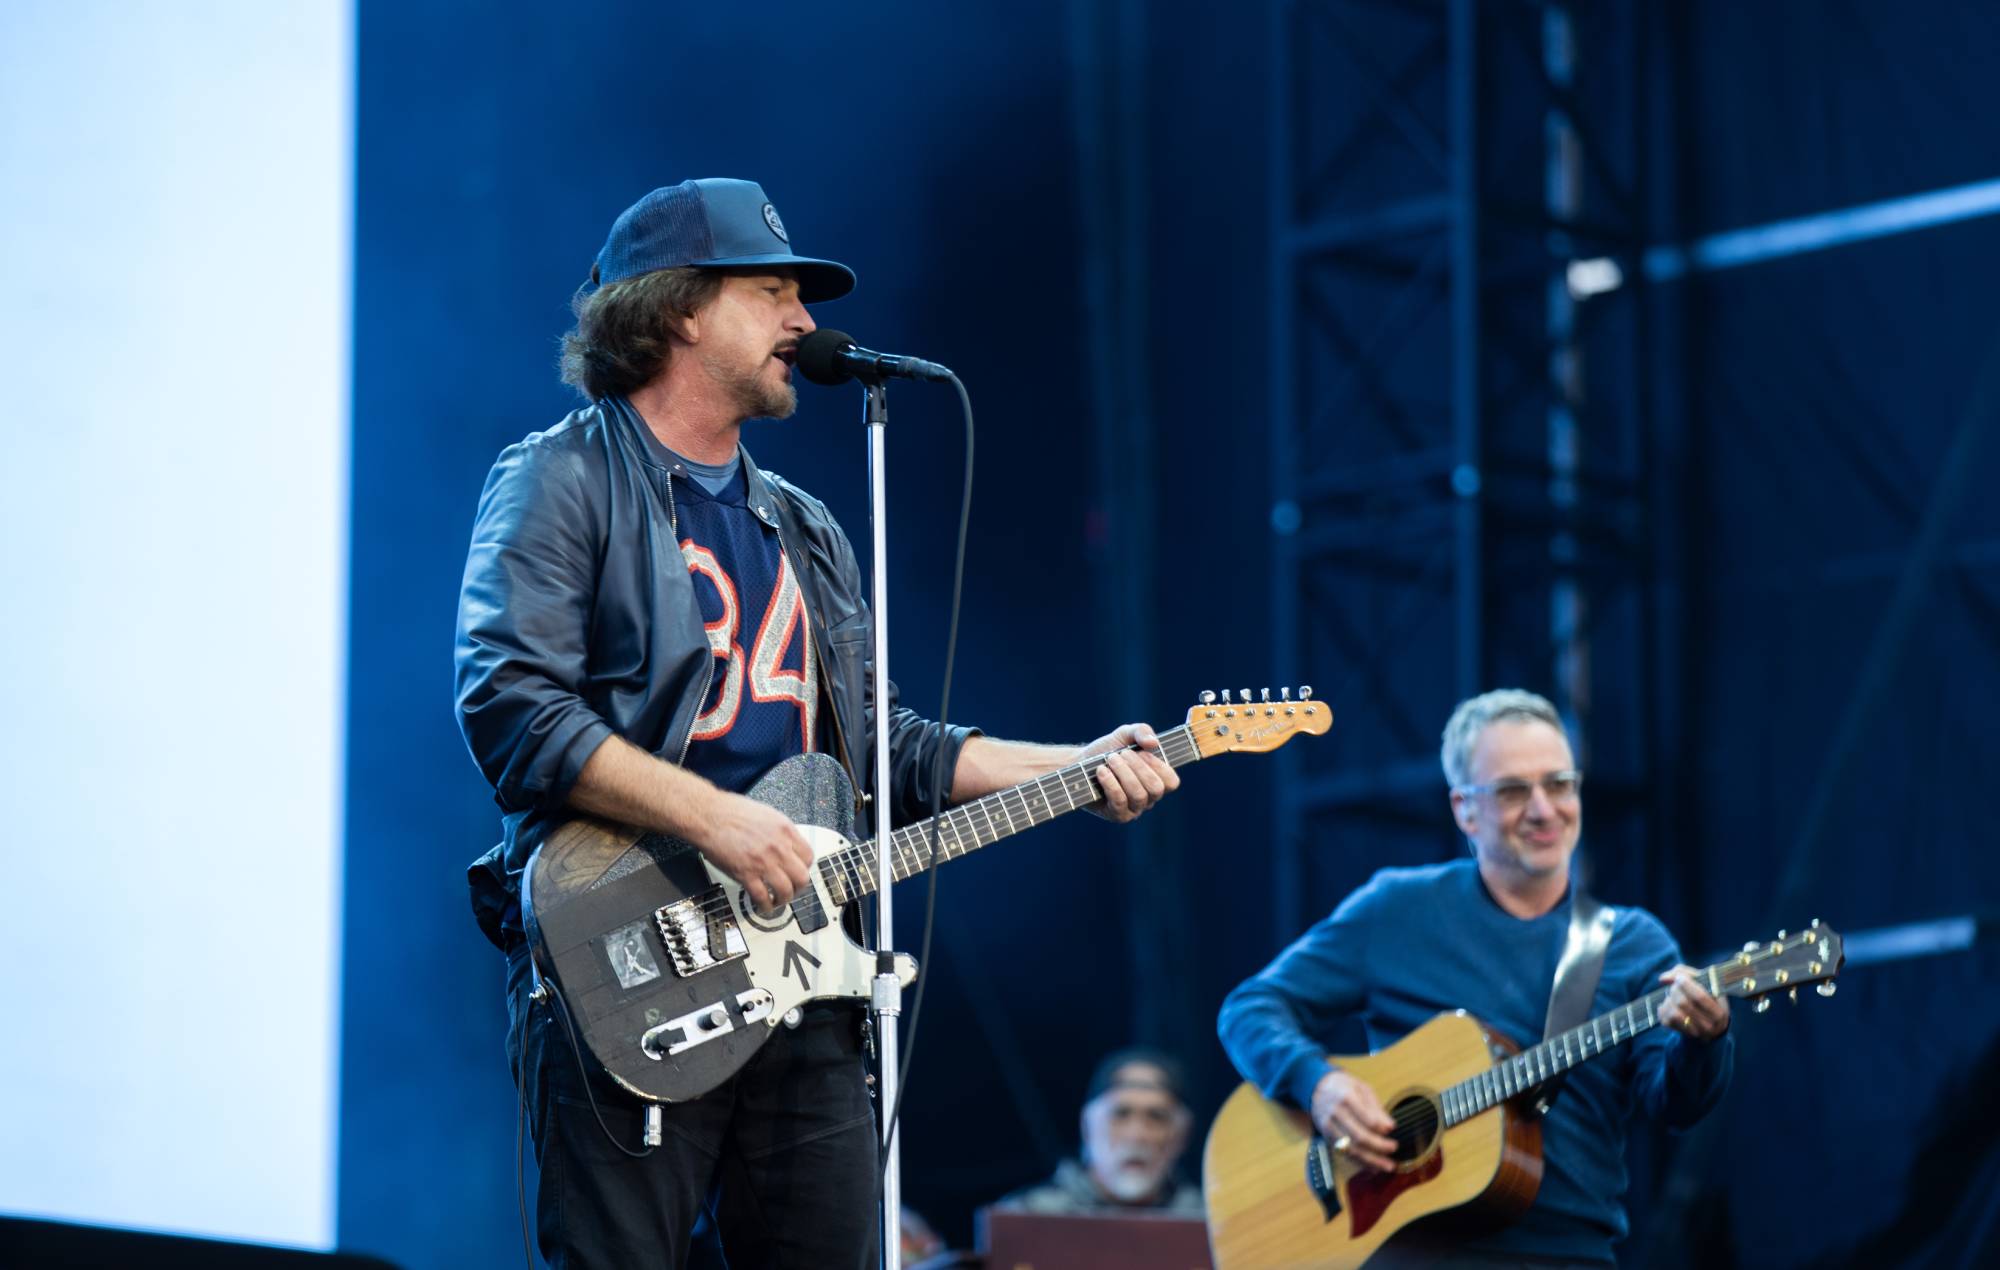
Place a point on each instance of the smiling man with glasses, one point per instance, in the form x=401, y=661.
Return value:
x=1485, y=935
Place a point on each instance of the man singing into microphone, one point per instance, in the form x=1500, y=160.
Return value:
x=649, y=623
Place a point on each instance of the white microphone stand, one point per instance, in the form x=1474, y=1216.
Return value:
x=887, y=998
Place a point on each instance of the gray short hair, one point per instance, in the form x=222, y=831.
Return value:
x=1473, y=716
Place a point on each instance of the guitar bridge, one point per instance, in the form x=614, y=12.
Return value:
x=700, y=932
x=1320, y=1176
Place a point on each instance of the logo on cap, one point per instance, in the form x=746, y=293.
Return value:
x=777, y=226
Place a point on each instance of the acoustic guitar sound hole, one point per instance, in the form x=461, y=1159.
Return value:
x=1416, y=1120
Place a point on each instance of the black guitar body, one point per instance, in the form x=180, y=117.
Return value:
x=672, y=977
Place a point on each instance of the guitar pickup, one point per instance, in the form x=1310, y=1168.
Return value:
x=700, y=932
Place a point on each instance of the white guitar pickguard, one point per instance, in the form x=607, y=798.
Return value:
x=796, y=967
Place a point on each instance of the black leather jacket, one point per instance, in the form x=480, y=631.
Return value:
x=578, y=619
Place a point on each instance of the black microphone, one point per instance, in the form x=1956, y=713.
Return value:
x=831, y=357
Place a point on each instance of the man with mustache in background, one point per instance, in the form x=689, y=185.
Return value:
x=1135, y=1127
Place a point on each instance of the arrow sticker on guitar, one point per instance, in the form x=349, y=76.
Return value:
x=797, y=956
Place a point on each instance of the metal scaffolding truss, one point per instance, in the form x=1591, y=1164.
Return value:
x=1456, y=503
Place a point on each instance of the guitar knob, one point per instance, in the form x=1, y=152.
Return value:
x=1825, y=989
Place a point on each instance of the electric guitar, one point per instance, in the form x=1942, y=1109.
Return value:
x=675, y=978
x=1466, y=1134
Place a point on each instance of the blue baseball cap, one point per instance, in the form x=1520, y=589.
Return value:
x=712, y=223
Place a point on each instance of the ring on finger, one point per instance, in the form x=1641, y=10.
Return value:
x=1342, y=1143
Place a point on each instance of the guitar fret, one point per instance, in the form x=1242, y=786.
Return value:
x=1042, y=792
x=1534, y=1066
x=988, y=834
x=1022, y=809
x=844, y=865
x=850, y=874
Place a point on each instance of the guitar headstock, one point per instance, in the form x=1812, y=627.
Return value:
x=1785, y=964
x=1255, y=727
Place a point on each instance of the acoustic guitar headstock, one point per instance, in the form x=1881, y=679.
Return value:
x=1785, y=964
x=1247, y=726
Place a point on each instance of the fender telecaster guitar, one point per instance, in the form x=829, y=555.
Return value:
x=1466, y=1135
x=673, y=976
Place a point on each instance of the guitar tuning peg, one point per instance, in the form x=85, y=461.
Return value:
x=1792, y=995
x=1749, y=947
x=1305, y=692
x=1815, y=923
x=1825, y=989
x=1266, y=696
x=1763, y=1004
x=1284, y=694
x=1208, y=696
x=1781, y=934
x=1246, y=696
x=1225, y=696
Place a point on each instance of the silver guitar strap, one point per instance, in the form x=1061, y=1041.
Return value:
x=1582, y=965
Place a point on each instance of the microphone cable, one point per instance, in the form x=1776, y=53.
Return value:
x=938, y=776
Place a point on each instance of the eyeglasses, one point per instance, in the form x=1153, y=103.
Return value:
x=1561, y=787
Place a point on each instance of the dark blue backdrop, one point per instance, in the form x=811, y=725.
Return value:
x=934, y=150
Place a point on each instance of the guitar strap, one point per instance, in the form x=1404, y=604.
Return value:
x=1582, y=965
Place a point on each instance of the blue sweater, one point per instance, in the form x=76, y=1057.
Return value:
x=1416, y=942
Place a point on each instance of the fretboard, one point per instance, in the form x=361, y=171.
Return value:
x=851, y=872
x=1534, y=1066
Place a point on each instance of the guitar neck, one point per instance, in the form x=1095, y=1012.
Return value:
x=851, y=872
x=1535, y=1065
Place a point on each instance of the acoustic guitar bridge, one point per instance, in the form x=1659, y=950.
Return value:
x=1320, y=1176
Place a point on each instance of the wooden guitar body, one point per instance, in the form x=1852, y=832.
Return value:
x=1466, y=1143
x=1272, y=1201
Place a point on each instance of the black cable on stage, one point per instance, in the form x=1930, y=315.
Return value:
x=938, y=776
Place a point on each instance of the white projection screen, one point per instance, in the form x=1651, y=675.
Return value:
x=174, y=283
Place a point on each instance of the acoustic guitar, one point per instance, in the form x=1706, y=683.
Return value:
x=1467, y=1140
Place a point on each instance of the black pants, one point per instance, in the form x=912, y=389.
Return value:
x=782, y=1155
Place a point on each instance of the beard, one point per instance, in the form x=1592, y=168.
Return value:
x=752, y=391
x=1131, y=1185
